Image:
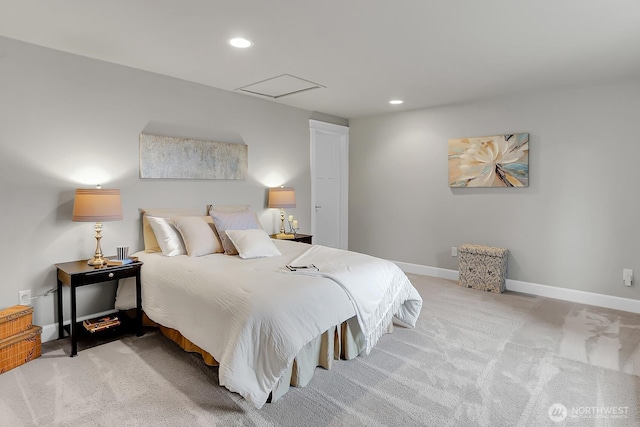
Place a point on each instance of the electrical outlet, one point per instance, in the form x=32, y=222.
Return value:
x=454, y=251
x=627, y=276
x=25, y=297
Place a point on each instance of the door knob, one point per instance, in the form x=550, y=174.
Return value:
x=318, y=206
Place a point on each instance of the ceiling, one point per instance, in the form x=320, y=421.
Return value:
x=362, y=53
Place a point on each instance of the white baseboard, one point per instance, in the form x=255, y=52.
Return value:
x=50, y=332
x=582, y=297
x=424, y=270
x=573, y=295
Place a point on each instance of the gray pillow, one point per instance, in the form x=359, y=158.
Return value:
x=238, y=220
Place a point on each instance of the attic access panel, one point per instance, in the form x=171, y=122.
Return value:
x=279, y=86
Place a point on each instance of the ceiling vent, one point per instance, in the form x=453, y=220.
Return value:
x=279, y=86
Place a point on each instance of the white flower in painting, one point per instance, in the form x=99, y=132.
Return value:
x=492, y=161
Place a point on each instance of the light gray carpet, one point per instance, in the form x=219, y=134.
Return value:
x=474, y=359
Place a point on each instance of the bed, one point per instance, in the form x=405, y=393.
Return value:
x=265, y=326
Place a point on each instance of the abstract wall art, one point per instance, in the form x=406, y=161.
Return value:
x=187, y=158
x=489, y=161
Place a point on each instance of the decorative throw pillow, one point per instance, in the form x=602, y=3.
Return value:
x=253, y=243
x=199, y=238
x=150, y=241
x=167, y=236
x=239, y=220
x=232, y=208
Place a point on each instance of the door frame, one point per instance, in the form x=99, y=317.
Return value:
x=316, y=128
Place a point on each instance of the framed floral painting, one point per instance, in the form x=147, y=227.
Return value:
x=489, y=161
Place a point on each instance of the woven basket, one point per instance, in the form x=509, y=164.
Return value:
x=20, y=348
x=14, y=320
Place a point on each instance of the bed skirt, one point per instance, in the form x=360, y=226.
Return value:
x=343, y=341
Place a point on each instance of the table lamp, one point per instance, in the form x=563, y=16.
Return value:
x=97, y=205
x=282, y=197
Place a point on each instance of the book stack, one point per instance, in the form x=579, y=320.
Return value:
x=112, y=262
x=101, y=323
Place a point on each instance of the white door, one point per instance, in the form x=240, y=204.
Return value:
x=329, y=184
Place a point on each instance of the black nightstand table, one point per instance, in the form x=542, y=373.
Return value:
x=78, y=273
x=303, y=238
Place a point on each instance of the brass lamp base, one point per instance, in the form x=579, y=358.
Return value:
x=97, y=259
x=282, y=231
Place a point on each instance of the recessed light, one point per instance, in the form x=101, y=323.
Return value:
x=240, y=42
x=396, y=101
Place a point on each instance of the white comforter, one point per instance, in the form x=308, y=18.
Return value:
x=376, y=287
x=249, y=315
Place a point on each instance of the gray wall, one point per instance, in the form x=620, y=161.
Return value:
x=575, y=226
x=69, y=122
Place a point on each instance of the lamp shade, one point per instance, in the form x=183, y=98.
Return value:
x=282, y=197
x=97, y=205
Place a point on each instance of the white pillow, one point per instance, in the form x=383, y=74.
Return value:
x=167, y=236
x=199, y=238
x=150, y=241
x=253, y=243
x=238, y=220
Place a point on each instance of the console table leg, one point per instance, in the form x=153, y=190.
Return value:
x=74, y=337
x=60, y=311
